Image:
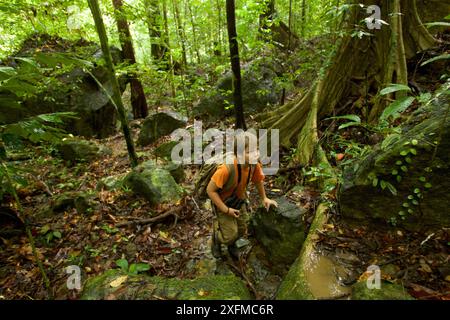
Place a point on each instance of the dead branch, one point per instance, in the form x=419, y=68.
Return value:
x=153, y=219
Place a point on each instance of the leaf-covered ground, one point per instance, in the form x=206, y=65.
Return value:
x=94, y=241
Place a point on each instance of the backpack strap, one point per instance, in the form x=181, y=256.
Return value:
x=232, y=173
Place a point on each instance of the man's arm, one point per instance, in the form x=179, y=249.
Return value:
x=262, y=194
x=211, y=190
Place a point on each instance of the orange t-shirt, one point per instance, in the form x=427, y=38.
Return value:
x=220, y=178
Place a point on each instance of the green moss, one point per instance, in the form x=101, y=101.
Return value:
x=137, y=287
x=387, y=291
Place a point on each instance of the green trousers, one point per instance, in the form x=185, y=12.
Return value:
x=228, y=228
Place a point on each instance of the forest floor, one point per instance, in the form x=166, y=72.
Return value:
x=94, y=241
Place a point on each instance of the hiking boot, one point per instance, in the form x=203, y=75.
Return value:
x=216, y=249
x=233, y=251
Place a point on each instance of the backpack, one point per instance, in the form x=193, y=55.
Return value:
x=206, y=172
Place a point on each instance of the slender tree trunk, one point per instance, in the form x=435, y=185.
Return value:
x=235, y=65
x=154, y=24
x=290, y=26
x=138, y=101
x=303, y=18
x=219, y=26
x=180, y=31
x=117, y=97
x=169, y=52
x=265, y=18
x=194, y=32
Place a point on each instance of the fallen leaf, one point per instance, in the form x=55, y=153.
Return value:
x=118, y=281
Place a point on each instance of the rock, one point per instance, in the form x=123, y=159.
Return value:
x=424, y=174
x=81, y=201
x=280, y=231
x=153, y=183
x=258, y=91
x=387, y=291
x=296, y=285
x=164, y=150
x=143, y=287
x=158, y=125
x=74, y=91
x=176, y=170
x=111, y=182
x=75, y=149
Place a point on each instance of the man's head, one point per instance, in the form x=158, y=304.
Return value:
x=245, y=147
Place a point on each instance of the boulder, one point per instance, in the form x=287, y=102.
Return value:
x=114, y=284
x=81, y=201
x=281, y=232
x=259, y=90
x=164, y=150
x=405, y=179
x=158, y=125
x=75, y=90
x=111, y=182
x=387, y=291
x=75, y=149
x=153, y=183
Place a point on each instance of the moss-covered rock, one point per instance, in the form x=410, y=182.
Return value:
x=281, y=232
x=143, y=287
x=259, y=89
x=387, y=291
x=75, y=149
x=422, y=197
x=153, y=183
x=111, y=182
x=158, y=125
x=81, y=201
x=164, y=150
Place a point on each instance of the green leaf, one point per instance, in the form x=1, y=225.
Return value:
x=140, y=267
x=405, y=205
x=399, y=162
x=391, y=188
x=437, y=24
x=441, y=57
x=133, y=269
x=422, y=179
x=57, y=234
x=375, y=182
x=394, y=172
x=410, y=211
x=123, y=264
x=397, y=107
x=404, y=153
x=404, y=168
x=413, y=151
x=352, y=117
x=394, y=88
x=348, y=124
x=414, y=142
x=416, y=190
x=428, y=185
x=410, y=197
x=399, y=178
x=383, y=184
x=415, y=202
x=401, y=213
x=408, y=160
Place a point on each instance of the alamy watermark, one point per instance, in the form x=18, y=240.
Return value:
x=221, y=147
x=374, y=279
x=74, y=279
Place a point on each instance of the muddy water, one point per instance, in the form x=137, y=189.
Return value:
x=321, y=274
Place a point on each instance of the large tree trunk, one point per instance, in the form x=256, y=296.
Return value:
x=117, y=96
x=138, y=101
x=360, y=65
x=235, y=65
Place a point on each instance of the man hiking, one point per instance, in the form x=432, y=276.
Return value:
x=230, y=206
